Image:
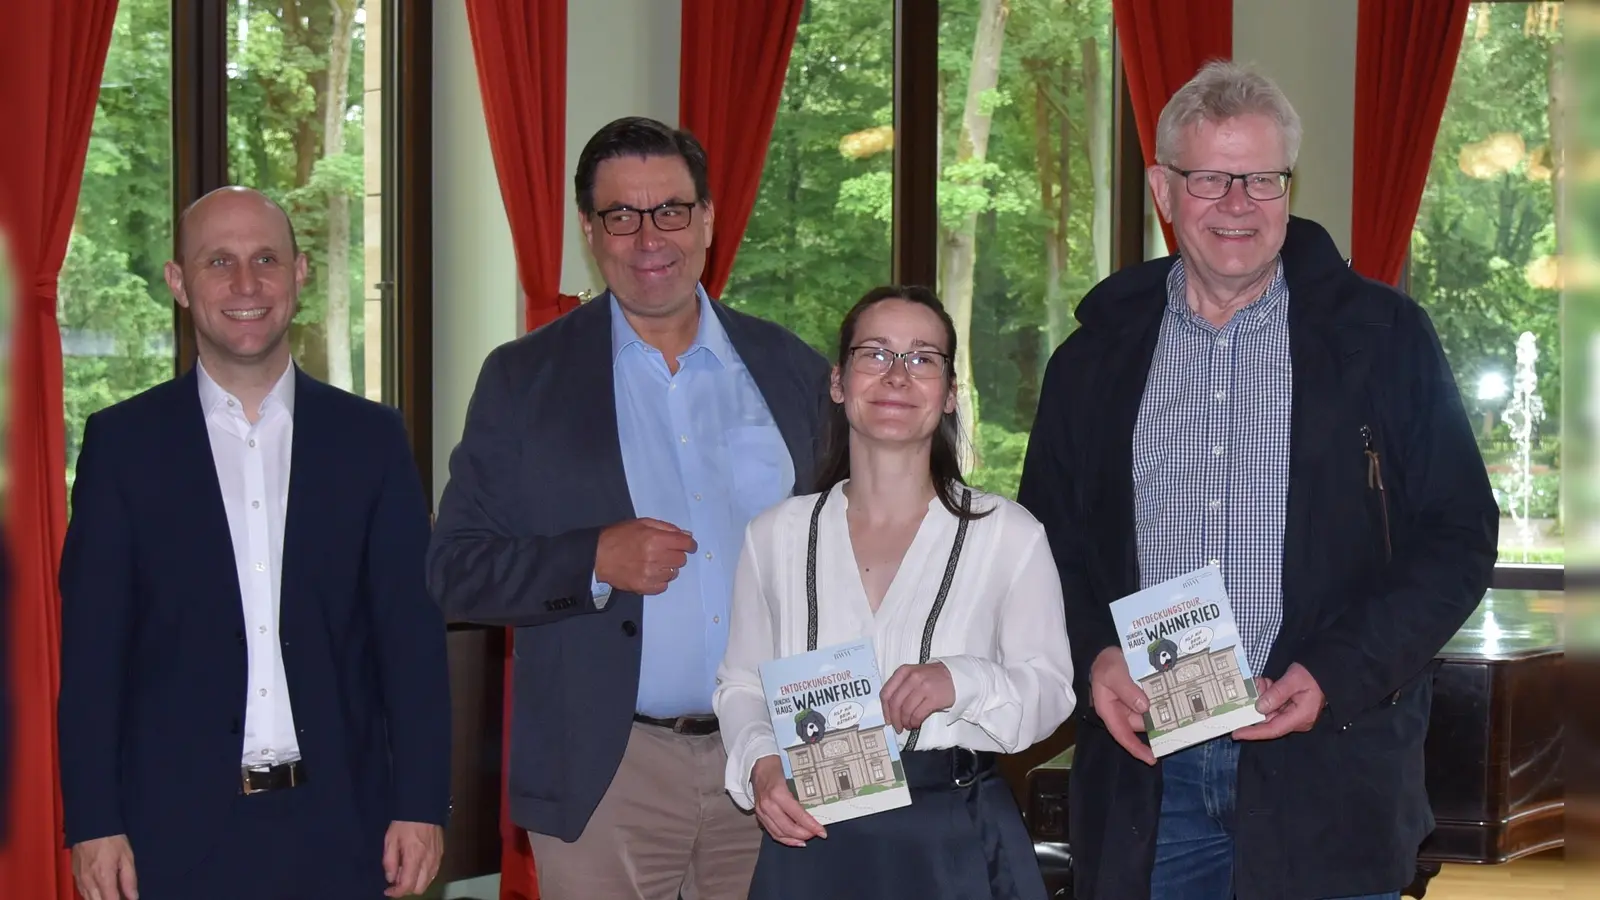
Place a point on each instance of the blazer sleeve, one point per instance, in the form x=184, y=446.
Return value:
x=1443, y=554
x=480, y=568
x=1047, y=491
x=97, y=604
x=413, y=671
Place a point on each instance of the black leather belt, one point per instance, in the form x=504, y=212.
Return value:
x=255, y=779
x=699, y=725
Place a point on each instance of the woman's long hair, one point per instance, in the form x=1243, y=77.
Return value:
x=944, y=462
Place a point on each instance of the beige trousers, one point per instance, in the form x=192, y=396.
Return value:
x=665, y=826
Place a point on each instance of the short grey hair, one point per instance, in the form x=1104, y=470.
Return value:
x=1221, y=90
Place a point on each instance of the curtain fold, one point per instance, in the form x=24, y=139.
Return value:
x=51, y=58
x=521, y=54
x=1405, y=60
x=735, y=55
x=1164, y=43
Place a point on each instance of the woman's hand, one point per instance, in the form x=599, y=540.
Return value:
x=913, y=693
x=777, y=809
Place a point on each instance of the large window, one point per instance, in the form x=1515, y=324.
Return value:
x=1484, y=261
x=114, y=307
x=1021, y=141
x=287, y=98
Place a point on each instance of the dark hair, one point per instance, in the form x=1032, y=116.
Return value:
x=944, y=463
x=638, y=136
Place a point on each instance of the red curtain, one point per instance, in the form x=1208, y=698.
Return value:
x=1164, y=43
x=1405, y=59
x=51, y=59
x=521, y=51
x=735, y=55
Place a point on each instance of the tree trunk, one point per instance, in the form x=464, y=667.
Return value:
x=338, y=268
x=960, y=243
x=1098, y=140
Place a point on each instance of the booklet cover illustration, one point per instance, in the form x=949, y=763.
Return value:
x=1182, y=646
x=839, y=756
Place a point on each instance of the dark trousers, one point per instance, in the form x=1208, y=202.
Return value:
x=274, y=846
x=1194, y=838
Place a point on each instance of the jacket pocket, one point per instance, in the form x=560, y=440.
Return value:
x=1375, y=485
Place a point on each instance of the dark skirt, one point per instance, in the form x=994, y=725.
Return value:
x=962, y=838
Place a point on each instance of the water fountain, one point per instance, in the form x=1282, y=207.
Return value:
x=1523, y=413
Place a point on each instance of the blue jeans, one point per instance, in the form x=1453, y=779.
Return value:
x=1194, y=839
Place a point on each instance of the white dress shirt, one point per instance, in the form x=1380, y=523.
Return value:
x=1002, y=632
x=253, y=469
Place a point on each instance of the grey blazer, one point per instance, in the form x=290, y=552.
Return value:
x=537, y=475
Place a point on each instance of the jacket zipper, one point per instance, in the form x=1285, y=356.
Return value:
x=1375, y=482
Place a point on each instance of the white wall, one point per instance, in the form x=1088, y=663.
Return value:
x=622, y=59
x=475, y=305
x=1309, y=48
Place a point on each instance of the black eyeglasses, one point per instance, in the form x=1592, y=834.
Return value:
x=1209, y=184
x=625, y=220
x=879, y=360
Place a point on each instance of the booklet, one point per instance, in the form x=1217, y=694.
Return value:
x=1183, y=648
x=839, y=756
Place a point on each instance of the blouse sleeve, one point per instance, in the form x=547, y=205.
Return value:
x=739, y=702
x=1023, y=697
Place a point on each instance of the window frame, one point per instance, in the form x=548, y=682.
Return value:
x=200, y=164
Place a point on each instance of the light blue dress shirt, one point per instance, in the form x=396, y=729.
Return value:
x=702, y=451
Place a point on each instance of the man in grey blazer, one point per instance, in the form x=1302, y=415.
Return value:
x=597, y=503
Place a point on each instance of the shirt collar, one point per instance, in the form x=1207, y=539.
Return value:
x=212, y=394
x=710, y=336
x=1264, y=305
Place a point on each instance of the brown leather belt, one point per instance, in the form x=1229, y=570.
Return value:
x=255, y=779
x=696, y=725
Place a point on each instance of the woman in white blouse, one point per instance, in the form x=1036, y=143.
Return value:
x=959, y=593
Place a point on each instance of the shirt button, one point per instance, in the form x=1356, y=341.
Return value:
x=263, y=692
x=255, y=504
x=1217, y=450
x=1216, y=503
x=252, y=442
x=716, y=619
x=683, y=439
x=708, y=554
x=1222, y=342
x=261, y=567
x=1215, y=562
x=1220, y=394
x=261, y=628
x=230, y=402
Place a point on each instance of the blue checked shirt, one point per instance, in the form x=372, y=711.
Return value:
x=1211, y=455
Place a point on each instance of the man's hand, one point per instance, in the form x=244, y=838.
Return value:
x=1292, y=703
x=103, y=869
x=1119, y=702
x=641, y=555
x=411, y=855
x=777, y=810
x=913, y=693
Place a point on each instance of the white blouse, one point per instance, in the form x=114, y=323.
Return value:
x=1002, y=632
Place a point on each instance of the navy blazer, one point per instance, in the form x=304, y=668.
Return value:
x=153, y=659
x=1374, y=583
x=537, y=475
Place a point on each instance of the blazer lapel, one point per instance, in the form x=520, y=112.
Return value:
x=593, y=388
x=196, y=468
x=766, y=368
x=1120, y=387
x=312, y=482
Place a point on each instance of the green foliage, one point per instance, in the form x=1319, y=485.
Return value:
x=115, y=309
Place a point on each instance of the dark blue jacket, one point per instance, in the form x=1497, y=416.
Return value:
x=153, y=660
x=1339, y=810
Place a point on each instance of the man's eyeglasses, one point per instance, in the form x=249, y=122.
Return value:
x=879, y=360
x=1208, y=184
x=621, y=221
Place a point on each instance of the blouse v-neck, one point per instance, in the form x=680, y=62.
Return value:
x=895, y=599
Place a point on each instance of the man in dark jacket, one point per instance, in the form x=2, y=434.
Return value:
x=1253, y=404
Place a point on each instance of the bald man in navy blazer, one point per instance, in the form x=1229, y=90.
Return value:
x=254, y=696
